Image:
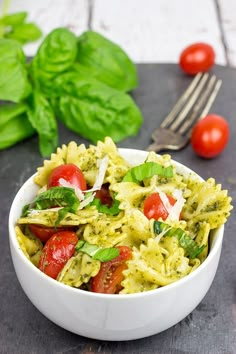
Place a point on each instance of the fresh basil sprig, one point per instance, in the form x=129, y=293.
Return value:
x=96, y=252
x=190, y=246
x=14, y=26
x=69, y=78
x=147, y=170
x=56, y=196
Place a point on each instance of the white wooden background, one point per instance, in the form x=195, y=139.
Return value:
x=149, y=30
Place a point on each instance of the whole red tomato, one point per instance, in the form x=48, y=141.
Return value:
x=56, y=252
x=198, y=57
x=210, y=136
x=70, y=173
x=109, y=278
x=154, y=208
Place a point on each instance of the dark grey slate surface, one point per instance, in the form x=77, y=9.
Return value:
x=211, y=327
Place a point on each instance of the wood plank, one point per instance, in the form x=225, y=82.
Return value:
x=157, y=31
x=228, y=20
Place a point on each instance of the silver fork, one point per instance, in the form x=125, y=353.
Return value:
x=175, y=130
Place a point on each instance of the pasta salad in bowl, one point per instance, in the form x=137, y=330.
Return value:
x=100, y=232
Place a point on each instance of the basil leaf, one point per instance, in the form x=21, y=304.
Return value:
x=14, y=124
x=190, y=246
x=42, y=118
x=95, y=110
x=14, y=83
x=102, y=208
x=55, y=55
x=14, y=19
x=147, y=170
x=96, y=252
x=14, y=26
x=61, y=214
x=107, y=61
x=55, y=196
x=106, y=254
x=25, y=33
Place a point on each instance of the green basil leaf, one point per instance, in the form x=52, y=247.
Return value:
x=108, y=60
x=55, y=196
x=2, y=30
x=55, y=55
x=14, y=19
x=42, y=118
x=9, y=111
x=61, y=214
x=106, y=254
x=14, y=125
x=95, y=110
x=14, y=82
x=190, y=246
x=24, y=33
x=96, y=252
x=147, y=170
x=102, y=208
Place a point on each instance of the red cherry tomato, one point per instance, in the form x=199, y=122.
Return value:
x=70, y=173
x=154, y=208
x=198, y=57
x=104, y=195
x=56, y=252
x=210, y=136
x=109, y=278
x=43, y=232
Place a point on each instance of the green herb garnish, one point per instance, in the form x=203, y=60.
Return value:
x=147, y=170
x=96, y=252
x=55, y=197
x=190, y=246
x=102, y=208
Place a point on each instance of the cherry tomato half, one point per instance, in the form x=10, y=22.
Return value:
x=198, y=57
x=109, y=278
x=104, y=195
x=70, y=173
x=56, y=252
x=210, y=136
x=43, y=232
x=154, y=208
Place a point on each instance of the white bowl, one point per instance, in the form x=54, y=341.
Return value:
x=111, y=317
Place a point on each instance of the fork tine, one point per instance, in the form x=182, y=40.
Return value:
x=204, y=104
x=211, y=99
x=175, y=131
x=190, y=103
x=181, y=101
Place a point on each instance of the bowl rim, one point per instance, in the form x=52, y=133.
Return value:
x=117, y=297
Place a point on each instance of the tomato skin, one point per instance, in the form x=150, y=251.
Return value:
x=56, y=252
x=43, y=232
x=70, y=173
x=109, y=278
x=210, y=136
x=154, y=208
x=198, y=57
x=104, y=195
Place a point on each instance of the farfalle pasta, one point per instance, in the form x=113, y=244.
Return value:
x=122, y=243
